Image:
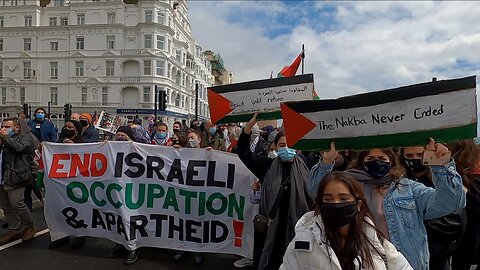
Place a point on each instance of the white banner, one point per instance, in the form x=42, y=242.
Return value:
x=147, y=195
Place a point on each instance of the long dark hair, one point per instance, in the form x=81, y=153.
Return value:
x=467, y=159
x=356, y=244
x=396, y=170
x=425, y=179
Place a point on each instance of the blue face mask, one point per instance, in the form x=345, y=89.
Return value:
x=161, y=135
x=10, y=132
x=212, y=130
x=286, y=154
x=40, y=116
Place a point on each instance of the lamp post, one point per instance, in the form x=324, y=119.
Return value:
x=196, y=100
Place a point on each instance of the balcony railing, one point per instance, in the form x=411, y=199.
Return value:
x=129, y=79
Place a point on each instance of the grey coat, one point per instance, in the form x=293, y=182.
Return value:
x=17, y=158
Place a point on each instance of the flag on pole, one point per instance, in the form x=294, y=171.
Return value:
x=289, y=71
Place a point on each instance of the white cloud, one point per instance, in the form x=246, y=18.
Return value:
x=367, y=45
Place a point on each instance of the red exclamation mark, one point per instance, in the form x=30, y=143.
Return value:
x=238, y=230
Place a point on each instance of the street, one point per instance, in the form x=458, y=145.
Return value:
x=35, y=255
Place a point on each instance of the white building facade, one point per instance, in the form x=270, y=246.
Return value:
x=101, y=55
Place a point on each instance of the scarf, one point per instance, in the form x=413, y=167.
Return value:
x=299, y=204
x=363, y=177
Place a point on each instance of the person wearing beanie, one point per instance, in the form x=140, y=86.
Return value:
x=71, y=132
x=43, y=129
x=89, y=133
x=124, y=133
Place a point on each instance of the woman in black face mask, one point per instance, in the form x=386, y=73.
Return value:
x=400, y=205
x=340, y=233
x=443, y=233
x=70, y=132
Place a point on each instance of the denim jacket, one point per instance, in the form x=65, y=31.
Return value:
x=408, y=203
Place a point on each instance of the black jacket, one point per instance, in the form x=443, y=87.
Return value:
x=257, y=164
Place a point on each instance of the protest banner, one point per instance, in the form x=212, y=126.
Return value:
x=110, y=122
x=235, y=103
x=406, y=116
x=147, y=195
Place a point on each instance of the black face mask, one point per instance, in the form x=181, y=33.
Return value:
x=338, y=166
x=415, y=165
x=67, y=133
x=339, y=214
x=176, y=130
x=84, y=122
x=377, y=168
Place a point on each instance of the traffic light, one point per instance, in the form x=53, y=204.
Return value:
x=162, y=100
x=25, y=108
x=67, y=111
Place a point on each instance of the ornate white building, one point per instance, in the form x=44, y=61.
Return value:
x=101, y=55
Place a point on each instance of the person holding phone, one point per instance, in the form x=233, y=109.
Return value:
x=400, y=205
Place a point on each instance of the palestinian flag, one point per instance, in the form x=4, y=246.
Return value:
x=406, y=116
x=289, y=71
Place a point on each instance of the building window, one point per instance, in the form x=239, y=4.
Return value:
x=64, y=21
x=27, y=70
x=54, y=46
x=160, y=68
x=160, y=42
x=27, y=44
x=53, y=21
x=1, y=44
x=169, y=72
x=161, y=17
x=104, y=95
x=178, y=55
x=148, y=41
x=4, y=95
x=110, y=68
x=1, y=70
x=146, y=94
x=28, y=20
x=80, y=43
x=58, y=3
x=111, y=18
x=147, y=67
x=79, y=68
x=110, y=42
x=169, y=46
x=178, y=77
x=13, y=2
x=54, y=70
x=54, y=95
x=2, y=21
x=80, y=18
x=177, y=100
x=84, y=95
x=148, y=16
x=22, y=95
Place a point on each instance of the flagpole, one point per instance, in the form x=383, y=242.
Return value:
x=303, y=57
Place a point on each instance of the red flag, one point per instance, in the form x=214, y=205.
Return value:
x=289, y=71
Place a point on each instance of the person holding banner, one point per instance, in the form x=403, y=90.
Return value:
x=340, y=233
x=161, y=135
x=89, y=132
x=400, y=205
x=284, y=196
x=443, y=233
x=124, y=133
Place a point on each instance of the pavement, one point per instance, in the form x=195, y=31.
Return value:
x=35, y=255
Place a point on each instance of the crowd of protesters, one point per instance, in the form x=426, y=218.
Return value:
x=372, y=209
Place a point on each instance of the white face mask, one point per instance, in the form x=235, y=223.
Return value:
x=272, y=154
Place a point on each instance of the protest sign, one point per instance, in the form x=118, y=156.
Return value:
x=148, y=195
x=406, y=116
x=235, y=103
x=110, y=122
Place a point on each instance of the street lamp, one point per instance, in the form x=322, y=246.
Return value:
x=196, y=100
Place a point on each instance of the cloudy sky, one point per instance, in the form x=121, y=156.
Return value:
x=351, y=47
